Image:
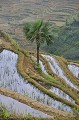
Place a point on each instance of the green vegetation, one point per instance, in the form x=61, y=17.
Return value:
x=66, y=44
x=39, y=32
x=49, y=80
x=66, y=41
x=14, y=44
x=4, y=113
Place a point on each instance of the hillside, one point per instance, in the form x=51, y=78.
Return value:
x=13, y=13
x=66, y=43
x=28, y=91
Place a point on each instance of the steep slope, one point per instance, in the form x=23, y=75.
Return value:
x=50, y=95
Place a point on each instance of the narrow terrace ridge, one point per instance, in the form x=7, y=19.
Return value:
x=33, y=103
x=58, y=70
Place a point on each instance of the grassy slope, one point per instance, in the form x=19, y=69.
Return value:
x=67, y=42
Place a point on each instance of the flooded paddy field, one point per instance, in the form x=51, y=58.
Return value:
x=11, y=79
x=54, y=64
x=15, y=107
x=74, y=69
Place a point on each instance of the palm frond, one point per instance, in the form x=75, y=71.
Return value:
x=38, y=28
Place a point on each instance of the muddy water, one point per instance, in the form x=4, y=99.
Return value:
x=74, y=69
x=58, y=71
x=11, y=79
x=13, y=106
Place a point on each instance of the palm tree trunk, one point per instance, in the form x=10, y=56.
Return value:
x=38, y=54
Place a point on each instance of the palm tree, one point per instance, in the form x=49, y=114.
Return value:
x=39, y=32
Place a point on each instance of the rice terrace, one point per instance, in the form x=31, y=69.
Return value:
x=39, y=80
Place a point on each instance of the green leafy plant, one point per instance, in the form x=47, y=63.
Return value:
x=40, y=32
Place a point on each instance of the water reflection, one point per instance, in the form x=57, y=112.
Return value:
x=58, y=71
x=74, y=69
x=13, y=106
x=55, y=90
x=61, y=94
x=11, y=79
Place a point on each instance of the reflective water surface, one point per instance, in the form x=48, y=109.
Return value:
x=74, y=69
x=54, y=64
x=11, y=79
x=13, y=106
x=55, y=90
x=62, y=94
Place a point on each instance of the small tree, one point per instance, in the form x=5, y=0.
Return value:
x=39, y=32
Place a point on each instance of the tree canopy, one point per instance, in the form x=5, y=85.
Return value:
x=40, y=32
